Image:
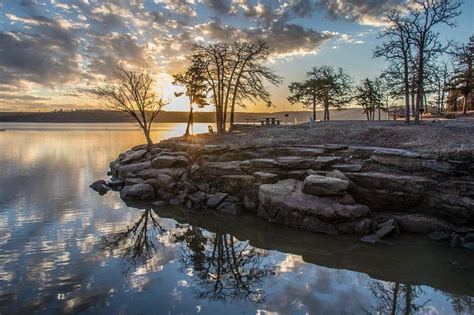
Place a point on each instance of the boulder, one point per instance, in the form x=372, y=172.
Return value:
x=133, y=181
x=295, y=162
x=222, y=168
x=307, y=152
x=347, y=167
x=337, y=174
x=409, y=160
x=132, y=156
x=138, y=192
x=215, y=199
x=325, y=161
x=167, y=161
x=299, y=175
x=176, y=173
x=100, y=186
x=324, y=186
x=236, y=183
x=285, y=203
x=266, y=178
x=228, y=207
x=263, y=163
x=128, y=170
x=116, y=184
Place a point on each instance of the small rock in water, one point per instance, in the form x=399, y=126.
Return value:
x=469, y=245
x=216, y=199
x=439, y=236
x=100, y=186
x=159, y=203
x=229, y=208
x=371, y=239
x=386, y=228
x=116, y=184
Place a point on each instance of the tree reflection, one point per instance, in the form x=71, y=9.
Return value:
x=462, y=304
x=223, y=267
x=138, y=243
x=396, y=298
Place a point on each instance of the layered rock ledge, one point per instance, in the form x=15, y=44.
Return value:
x=331, y=188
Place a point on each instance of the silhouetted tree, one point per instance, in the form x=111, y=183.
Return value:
x=234, y=73
x=423, y=17
x=369, y=97
x=462, y=79
x=397, y=49
x=324, y=85
x=196, y=89
x=133, y=93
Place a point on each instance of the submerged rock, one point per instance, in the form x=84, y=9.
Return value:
x=100, y=186
x=215, y=199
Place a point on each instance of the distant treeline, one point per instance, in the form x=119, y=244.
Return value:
x=105, y=116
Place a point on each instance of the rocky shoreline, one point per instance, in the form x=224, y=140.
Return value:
x=330, y=188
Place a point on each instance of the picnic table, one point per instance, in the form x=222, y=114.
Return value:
x=270, y=121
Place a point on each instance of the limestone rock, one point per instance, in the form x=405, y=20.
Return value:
x=285, y=203
x=215, y=199
x=138, y=192
x=166, y=161
x=347, y=167
x=324, y=186
x=132, y=156
x=222, y=168
x=100, y=186
x=324, y=161
x=128, y=170
x=236, y=183
x=263, y=163
x=295, y=162
x=266, y=178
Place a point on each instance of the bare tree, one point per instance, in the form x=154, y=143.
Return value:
x=133, y=93
x=196, y=89
x=305, y=93
x=397, y=49
x=462, y=79
x=423, y=17
x=325, y=86
x=235, y=73
x=369, y=97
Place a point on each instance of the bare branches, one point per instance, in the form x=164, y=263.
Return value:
x=133, y=93
x=235, y=74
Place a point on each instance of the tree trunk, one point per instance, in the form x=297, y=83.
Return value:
x=231, y=126
x=190, y=121
x=314, y=110
x=148, y=137
x=379, y=112
x=419, y=83
x=395, y=298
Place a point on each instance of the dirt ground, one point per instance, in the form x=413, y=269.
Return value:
x=447, y=135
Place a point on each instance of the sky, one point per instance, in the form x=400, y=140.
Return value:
x=52, y=52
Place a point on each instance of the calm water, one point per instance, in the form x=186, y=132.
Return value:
x=63, y=248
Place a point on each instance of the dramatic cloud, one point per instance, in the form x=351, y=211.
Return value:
x=62, y=46
x=368, y=12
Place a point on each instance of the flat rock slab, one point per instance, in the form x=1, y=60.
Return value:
x=165, y=161
x=140, y=191
x=266, y=178
x=318, y=185
x=347, y=167
x=215, y=199
x=295, y=162
x=132, y=169
x=132, y=156
x=287, y=197
x=263, y=163
x=222, y=168
x=323, y=161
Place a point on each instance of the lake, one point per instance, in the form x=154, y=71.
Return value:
x=65, y=249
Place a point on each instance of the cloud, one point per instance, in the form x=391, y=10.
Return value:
x=366, y=12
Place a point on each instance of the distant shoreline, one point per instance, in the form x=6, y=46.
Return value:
x=101, y=116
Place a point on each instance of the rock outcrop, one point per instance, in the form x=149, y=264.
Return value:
x=332, y=189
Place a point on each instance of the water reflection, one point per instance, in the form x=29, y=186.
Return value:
x=223, y=268
x=63, y=248
x=138, y=243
